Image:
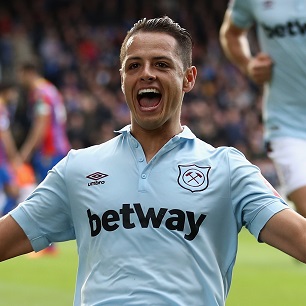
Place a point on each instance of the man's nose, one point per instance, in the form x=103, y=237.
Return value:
x=148, y=78
x=147, y=74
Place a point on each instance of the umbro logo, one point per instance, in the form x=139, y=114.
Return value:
x=96, y=178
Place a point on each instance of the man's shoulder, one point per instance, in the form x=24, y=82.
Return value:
x=91, y=151
x=210, y=149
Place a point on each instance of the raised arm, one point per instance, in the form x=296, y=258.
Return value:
x=236, y=47
x=13, y=241
x=286, y=231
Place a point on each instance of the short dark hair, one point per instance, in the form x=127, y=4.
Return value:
x=30, y=66
x=163, y=25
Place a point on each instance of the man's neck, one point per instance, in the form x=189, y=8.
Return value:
x=153, y=140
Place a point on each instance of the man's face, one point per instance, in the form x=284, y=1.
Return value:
x=153, y=79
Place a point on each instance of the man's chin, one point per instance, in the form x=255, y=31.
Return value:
x=149, y=125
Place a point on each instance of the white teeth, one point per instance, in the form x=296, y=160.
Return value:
x=148, y=90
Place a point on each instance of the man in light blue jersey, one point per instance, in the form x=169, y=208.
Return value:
x=280, y=67
x=155, y=211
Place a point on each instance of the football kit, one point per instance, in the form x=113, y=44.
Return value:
x=281, y=29
x=45, y=99
x=158, y=233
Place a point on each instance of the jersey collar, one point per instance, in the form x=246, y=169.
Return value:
x=186, y=133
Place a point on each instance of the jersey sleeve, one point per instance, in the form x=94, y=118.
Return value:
x=241, y=13
x=45, y=215
x=42, y=105
x=254, y=200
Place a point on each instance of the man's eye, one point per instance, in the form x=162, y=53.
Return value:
x=162, y=65
x=133, y=66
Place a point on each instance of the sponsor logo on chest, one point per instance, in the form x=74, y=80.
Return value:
x=131, y=216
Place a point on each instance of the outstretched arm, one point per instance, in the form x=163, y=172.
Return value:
x=236, y=47
x=286, y=231
x=13, y=240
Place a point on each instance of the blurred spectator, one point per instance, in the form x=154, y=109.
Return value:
x=78, y=45
x=46, y=142
x=9, y=189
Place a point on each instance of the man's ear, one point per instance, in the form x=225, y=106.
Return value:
x=189, y=78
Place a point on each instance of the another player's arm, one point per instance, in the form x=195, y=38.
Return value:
x=235, y=43
x=9, y=145
x=36, y=133
x=286, y=231
x=13, y=240
x=236, y=47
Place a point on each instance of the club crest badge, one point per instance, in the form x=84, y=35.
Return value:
x=193, y=177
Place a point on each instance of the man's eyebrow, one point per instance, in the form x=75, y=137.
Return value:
x=162, y=58
x=133, y=58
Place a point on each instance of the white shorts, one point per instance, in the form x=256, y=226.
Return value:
x=289, y=157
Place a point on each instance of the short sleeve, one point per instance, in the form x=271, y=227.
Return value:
x=45, y=215
x=254, y=200
x=241, y=13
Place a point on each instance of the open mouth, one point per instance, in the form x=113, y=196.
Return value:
x=149, y=98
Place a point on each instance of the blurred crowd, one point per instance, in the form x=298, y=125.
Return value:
x=76, y=44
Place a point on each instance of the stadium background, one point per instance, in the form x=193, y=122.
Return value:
x=77, y=46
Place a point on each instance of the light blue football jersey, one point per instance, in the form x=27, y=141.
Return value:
x=281, y=28
x=157, y=233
